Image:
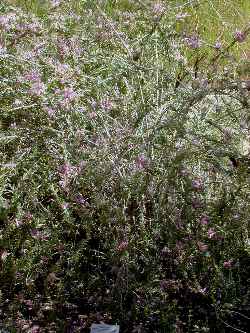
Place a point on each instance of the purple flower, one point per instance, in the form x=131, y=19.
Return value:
x=197, y=184
x=193, y=41
x=38, y=235
x=181, y=16
x=80, y=199
x=51, y=112
x=32, y=76
x=55, y=3
x=141, y=162
x=158, y=8
x=164, y=284
x=239, y=36
x=69, y=94
x=67, y=170
x=2, y=49
x=7, y=20
x=165, y=251
x=28, y=303
x=64, y=184
x=65, y=205
x=184, y=172
x=122, y=246
x=4, y=20
x=218, y=45
x=93, y=104
x=204, y=220
x=202, y=246
x=34, y=232
x=196, y=203
x=203, y=290
x=63, y=48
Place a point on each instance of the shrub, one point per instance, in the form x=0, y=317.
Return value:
x=124, y=172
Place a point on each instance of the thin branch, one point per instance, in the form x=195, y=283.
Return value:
x=233, y=328
x=118, y=35
x=246, y=31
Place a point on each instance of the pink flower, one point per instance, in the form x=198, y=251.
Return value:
x=202, y=246
x=228, y=264
x=51, y=112
x=37, y=88
x=122, y=246
x=179, y=245
x=184, y=172
x=65, y=205
x=106, y=104
x=35, y=329
x=211, y=233
x=44, y=260
x=18, y=223
x=92, y=115
x=4, y=255
x=39, y=235
x=28, y=216
x=239, y=36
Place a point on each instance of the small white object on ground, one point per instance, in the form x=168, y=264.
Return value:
x=104, y=328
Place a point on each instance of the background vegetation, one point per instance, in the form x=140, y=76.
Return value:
x=124, y=180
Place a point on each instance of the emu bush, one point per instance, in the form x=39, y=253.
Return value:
x=124, y=171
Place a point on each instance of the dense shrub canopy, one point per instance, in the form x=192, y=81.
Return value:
x=124, y=180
